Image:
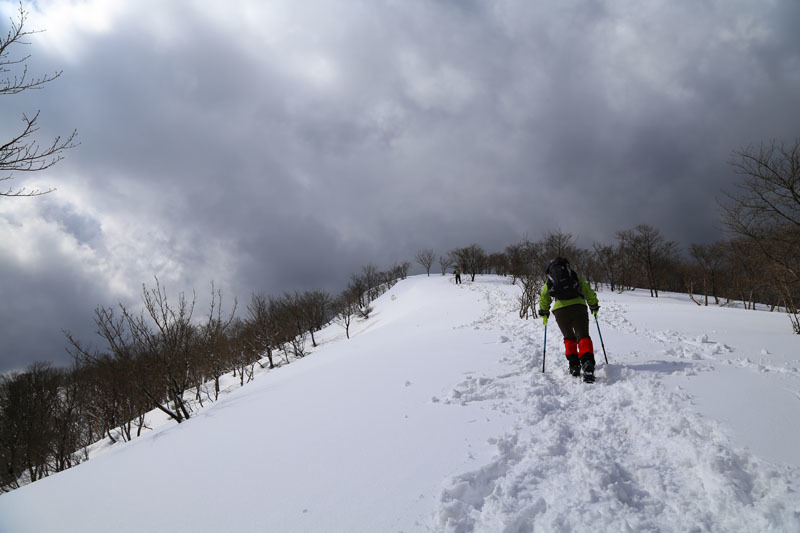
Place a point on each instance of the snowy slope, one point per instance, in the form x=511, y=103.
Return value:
x=436, y=416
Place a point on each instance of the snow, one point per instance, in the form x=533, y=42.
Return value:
x=435, y=416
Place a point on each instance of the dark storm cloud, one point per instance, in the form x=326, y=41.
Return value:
x=281, y=146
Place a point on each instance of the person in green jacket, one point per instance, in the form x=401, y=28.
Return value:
x=571, y=294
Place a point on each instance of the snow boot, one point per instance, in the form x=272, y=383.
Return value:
x=587, y=365
x=574, y=365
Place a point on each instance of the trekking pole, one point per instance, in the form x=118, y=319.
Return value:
x=544, y=352
x=601, y=338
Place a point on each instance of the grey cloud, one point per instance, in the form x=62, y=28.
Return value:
x=283, y=153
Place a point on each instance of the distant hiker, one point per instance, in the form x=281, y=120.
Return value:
x=572, y=294
x=457, y=272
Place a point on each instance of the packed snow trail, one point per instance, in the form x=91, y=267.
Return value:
x=622, y=454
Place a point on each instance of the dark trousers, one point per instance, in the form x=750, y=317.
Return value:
x=573, y=321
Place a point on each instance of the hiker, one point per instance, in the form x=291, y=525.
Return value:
x=457, y=272
x=571, y=294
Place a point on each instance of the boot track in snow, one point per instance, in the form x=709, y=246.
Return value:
x=624, y=454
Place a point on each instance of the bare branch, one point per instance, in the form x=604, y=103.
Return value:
x=23, y=153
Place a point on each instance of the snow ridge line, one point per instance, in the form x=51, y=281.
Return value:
x=623, y=454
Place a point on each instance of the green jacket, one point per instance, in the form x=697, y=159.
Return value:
x=589, y=297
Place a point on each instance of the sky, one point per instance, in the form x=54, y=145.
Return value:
x=279, y=146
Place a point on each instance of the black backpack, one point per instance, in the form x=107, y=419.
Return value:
x=562, y=281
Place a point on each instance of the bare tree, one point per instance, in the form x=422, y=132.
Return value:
x=497, y=262
x=516, y=261
x=315, y=307
x=388, y=278
x=372, y=279
x=42, y=423
x=160, y=355
x=27, y=405
x=69, y=420
x=560, y=244
x=710, y=258
x=358, y=286
x=425, y=258
x=526, y=264
x=291, y=321
x=213, y=344
x=171, y=344
x=22, y=153
x=116, y=403
x=264, y=326
x=765, y=210
x=523, y=259
x=747, y=265
x=610, y=264
x=400, y=270
x=651, y=252
x=444, y=263
x=244, y=352
x=471, y=258
x=345, y=307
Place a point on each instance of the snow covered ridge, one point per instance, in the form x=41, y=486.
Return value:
x=435, y=416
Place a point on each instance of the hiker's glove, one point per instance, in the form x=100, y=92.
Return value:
x=594, y=309
x=545, y=314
